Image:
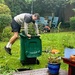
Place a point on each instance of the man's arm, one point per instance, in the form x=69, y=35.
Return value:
x=26, y=28
x=36, y=29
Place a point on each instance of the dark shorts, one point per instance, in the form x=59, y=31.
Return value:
x=15, y=26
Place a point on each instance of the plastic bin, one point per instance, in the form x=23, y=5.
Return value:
x=30, y=47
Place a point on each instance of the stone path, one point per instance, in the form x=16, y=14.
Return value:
x=43, y=71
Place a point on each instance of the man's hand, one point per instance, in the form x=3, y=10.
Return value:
x=38, y=34
x=29, y=35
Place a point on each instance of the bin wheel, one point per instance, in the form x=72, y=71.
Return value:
x=22, y=62
x=37, y=62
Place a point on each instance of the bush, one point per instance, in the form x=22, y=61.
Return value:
x=4, y=21
x=72, y=23
x=5, y=17
x=0, y=36
x=6, y=34
x=65, y=25
x=2, y=1
x=31, y=29
x=4, y=9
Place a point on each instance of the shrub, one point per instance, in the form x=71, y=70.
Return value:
x=6, y=34
x=4, y=9
x=0, y=36
x=65, y=25
x=31, y=29
x=72, y=23
x=4, y=21
x=2, y=1
x=5, y=17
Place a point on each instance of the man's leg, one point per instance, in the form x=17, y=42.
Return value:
x=14, y=38
x=11, y=41
x=15, y=29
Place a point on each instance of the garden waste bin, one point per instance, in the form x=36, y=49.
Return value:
x=31, y=48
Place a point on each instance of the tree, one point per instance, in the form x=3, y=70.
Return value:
x=2, y=1
x=17, y=6
x=72, y=1
x=44, y=7
x=48, y=6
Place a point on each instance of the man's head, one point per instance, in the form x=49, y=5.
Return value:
x=35, y=16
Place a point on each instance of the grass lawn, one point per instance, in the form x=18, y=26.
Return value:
x=49, y=41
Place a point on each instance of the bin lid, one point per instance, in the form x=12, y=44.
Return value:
x=32, y=36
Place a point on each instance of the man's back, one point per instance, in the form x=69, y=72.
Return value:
x=21, y=18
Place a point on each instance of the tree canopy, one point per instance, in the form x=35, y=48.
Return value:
x=17, y=6
x=43, y=7
x=2, y=1
x=40, y=6
x=48, y=6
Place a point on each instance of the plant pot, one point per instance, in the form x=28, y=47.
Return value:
x=72, y=58
x=53, y=68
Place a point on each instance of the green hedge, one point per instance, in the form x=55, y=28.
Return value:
x=5, y=17
x=72, y=23
x=4, y=21
x=4, y=9
x=6, y=34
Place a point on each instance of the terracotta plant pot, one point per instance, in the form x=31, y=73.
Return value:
x=72, y=58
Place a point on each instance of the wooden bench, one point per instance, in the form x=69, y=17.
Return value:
x=71, y=66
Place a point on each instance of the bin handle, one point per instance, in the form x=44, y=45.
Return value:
x=32, y=36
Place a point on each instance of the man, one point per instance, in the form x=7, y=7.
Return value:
x=17, y=22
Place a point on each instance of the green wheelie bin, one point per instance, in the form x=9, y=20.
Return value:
x=31, y=48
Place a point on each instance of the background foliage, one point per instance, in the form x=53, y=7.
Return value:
x=17, y=6
x=72, y=23
x=5, y=17
x=6, y=34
